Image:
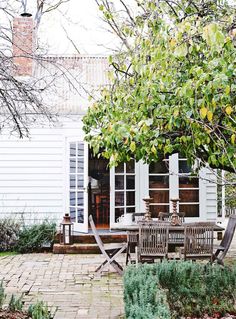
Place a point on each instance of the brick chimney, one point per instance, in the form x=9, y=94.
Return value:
x=23, y=44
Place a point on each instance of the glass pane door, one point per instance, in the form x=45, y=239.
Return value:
x=188, y=190
x=122, y=190
x=78, y=182
x=159, y=187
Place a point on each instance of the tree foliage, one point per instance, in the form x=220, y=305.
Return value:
x=173, y=86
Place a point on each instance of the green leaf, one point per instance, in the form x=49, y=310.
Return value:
x=181, y=50
x=233, y=136
x=220, y=39
x=227, y=89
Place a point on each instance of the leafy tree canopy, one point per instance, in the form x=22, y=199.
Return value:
x=173, y=85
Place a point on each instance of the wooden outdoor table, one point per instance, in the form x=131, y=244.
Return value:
x=135, y=227
x=176, y=235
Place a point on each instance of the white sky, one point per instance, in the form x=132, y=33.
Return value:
x=82, y=20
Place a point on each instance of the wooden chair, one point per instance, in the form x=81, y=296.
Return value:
x=137, y=217
x=132, y=237
x=132, y=241
x=109, y=251
x=152, y=241
x=198, y=241
x=167, y=216
x=222, y=250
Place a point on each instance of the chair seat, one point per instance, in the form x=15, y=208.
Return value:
x=219, y=247
x=113, y=246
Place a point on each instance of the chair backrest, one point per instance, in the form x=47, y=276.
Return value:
x=153, y=238
x=164, y=216
x=198, y=240
x=167, y=216
x=228, y=235
x=138, y=217
x=182, y=216
x=95, y=233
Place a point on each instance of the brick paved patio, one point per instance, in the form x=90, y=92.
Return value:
x=68, y=284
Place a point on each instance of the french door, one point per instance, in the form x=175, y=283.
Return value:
x=78, y=184
x=123, y=191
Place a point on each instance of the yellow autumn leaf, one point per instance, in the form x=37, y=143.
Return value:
x=203, y=112
x=228, y=110
x=94, y=105
x=227, y=89
x=209, y=116
x=233, y=136
x=172, y=42
x=214, y=103
x=153, y=149
x=132, y=146
x=176, y=113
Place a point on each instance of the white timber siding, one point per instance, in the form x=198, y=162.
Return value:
x=208, y=194
x=211, y=196
x=32, y=173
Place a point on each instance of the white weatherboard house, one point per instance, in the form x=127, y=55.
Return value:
x=54, y=172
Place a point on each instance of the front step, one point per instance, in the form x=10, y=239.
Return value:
x=106, y=238
x=76, y=249
x=86, y=244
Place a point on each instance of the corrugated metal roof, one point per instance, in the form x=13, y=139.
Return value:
x=72, y=79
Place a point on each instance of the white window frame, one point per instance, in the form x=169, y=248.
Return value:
x=80, y=227
x=113, y=222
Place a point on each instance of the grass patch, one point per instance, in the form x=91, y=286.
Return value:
x=8, y=253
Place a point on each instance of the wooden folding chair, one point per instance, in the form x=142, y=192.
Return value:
x=222, y=250
x=109, y=251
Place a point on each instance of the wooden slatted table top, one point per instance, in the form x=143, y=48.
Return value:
x=135, y=227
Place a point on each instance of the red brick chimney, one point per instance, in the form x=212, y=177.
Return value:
x=23, y=44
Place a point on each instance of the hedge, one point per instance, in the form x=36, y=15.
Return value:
x=173, y=289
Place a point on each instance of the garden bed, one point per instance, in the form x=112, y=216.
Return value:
x=6, y=314
x=174, y=290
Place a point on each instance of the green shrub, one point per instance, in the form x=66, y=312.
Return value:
x=2, y=294
x=15, y=304
x=9, y=231
x=39, y=311
x=190, y=289
x=32, y=238
x=144, y=299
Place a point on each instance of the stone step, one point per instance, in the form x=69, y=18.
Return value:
x=89, y=238
x=76, y=249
